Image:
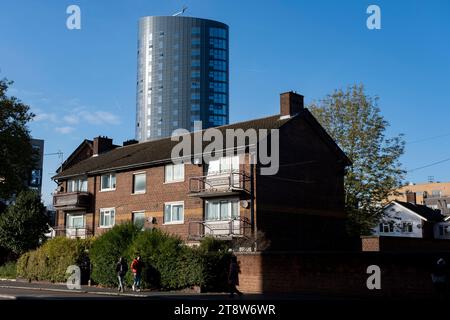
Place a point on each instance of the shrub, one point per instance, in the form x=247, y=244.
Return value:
x=50, y=261
x=8, y=270
x=107, y=249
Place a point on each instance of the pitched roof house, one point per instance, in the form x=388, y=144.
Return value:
x=299, y=206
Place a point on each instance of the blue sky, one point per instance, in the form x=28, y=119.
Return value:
x=81, y=83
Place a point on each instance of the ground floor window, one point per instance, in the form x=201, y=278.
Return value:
x=75, y=220
x=139, y=219
x=222, y=209
x=174, y=212
x=107, y=217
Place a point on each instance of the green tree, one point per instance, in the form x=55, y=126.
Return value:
x=16, y=152
x=354, y=120
x=23, y=224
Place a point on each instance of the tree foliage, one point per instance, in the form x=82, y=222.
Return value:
x=16, y=152
x=354, y=121
x=24, y=224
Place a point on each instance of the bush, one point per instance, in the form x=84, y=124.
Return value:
x=107, y=249
x=50, y=261
x=8, y=270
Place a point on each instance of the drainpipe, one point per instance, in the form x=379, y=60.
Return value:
x=252, y=201
x=93, y=205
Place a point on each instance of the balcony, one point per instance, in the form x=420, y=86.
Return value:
x=221, y=229
x=221, y=184
x=72, y=233
x=72, y=200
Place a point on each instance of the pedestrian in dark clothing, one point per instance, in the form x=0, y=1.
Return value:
x=233, y=277
x=439, y=278
x=136, y=268
x=121, y=269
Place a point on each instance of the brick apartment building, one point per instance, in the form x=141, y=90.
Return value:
x=301, y=207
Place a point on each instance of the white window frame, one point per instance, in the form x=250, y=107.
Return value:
x=171, y=204
x=230, y=208
x=133, y=214
x=69, y=220
x=404, y=226
x=111, y=188
x=133, y=183
x=172, y=166
x=102, y=211
x=76, y=184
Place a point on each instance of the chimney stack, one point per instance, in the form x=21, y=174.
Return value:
x=290, y=104
x=101, y=145
x=411, y=197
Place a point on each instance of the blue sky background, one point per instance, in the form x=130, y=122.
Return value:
x=81, y=83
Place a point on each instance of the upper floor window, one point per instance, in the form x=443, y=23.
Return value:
x=174, y=212
x=218, y=32
x=222, y=209
x=108, y=182
x=77, y=185
x=223, y=165
x=139, y=182
x=195, y=30
x=107, y=217
x=436, y=193
x=407, y=227
x=174, y=172
x=386, y=227
x=218, y=43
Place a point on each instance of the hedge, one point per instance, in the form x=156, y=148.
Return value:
x=107, y=249
x=8, y=270
x=50, y=261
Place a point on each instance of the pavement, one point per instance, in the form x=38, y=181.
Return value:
x=18, y=290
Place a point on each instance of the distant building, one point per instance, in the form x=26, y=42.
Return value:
x=182, y=75
x=35, y=180
x=404, y=219
x=435, y=195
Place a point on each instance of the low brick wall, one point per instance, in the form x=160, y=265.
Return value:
x=402, y=274
x=396, y=244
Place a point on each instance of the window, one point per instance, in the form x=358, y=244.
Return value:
x=436, y=193
x=195, y=107
x=218, y=65
x=224, y=165
x=218, y=43
x=195, y=52
x=174, y=212
x=195, y=74
x=35, y=177
x=218, y=98
x=195, y=41
x=108, y=182
x=407, y=227
x=107, y=217
x=222, y=209
x=75, y=221
x=76, y=185
x=218, y=86
x=386, y=227
x=195, y=96
x=218, y=32
x=218, y=54
x=174, y=172
x=139, y=182
x=139, y=219
x=195, y=30
x=195, y=85
x=218, y=75
x=195, y=63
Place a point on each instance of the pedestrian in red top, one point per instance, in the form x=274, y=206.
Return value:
x=136, y=268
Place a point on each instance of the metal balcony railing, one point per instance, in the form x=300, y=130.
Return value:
x=72, y=233
x=222, y=229
x=236, y=181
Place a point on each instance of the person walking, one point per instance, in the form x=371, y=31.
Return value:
x=439, y=278
x=233, y=277
x=121, y=269
x=136, y=268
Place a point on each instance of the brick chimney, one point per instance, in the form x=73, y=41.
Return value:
x=411, y=197
x=101, y=145
x=290, y=104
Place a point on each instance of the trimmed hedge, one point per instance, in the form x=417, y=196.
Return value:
x=50, y=261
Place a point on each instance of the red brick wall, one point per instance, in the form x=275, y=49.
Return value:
x=343, y=273
x=395, y=244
